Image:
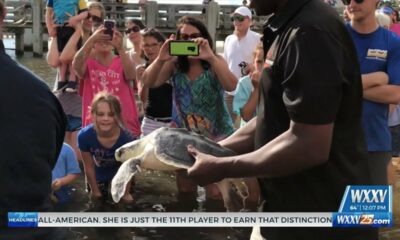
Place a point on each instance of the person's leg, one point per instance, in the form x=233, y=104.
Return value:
x=61, y=82
x=185, y=184
x=253, y=200
x=72, y=84
x=391, y=173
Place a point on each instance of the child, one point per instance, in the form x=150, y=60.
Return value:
x=98, y=143
x=64, y=173
x=60, y=19
x=246, y=94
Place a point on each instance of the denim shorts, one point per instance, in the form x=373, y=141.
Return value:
x=73, y=123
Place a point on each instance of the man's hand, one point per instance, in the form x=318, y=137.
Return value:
x=204, y=171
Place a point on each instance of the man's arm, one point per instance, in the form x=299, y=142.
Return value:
x=374, y=79
x=242, y=140
x=389, y=94
x=287, y=154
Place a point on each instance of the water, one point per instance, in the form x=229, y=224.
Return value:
x=154, y=191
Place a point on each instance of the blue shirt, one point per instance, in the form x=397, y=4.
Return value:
x=61, y=7
x=106, y=165
x=66, y=164
x=243, y=91
x=377, y=51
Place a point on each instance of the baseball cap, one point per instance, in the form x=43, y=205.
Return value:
x=244, y=11
x=386, y=10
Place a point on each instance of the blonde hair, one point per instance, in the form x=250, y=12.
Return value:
x=98, y=6
x=112, y=101
x=259, y=49
x=383, y=20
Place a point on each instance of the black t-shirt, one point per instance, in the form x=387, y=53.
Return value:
x=159, y=102
x=32, y=127
x=315, y=79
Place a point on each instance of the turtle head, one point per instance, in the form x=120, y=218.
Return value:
x=129, y=150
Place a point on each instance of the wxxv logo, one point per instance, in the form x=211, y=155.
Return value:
x=365, y=206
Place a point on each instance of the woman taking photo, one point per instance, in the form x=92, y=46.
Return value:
x=157, y=101
x=198, y=86
x=101, y=70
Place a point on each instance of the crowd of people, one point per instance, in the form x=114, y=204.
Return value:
x=306, y=105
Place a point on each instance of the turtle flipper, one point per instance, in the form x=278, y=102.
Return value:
x=125, y=173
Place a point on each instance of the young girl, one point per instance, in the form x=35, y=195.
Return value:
x=98, y=143
x=198, y=86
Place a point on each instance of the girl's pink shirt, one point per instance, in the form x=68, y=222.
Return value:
x=395, y=28
x=111, y=79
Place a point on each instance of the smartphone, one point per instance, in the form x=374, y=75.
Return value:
x=183, y=48
x=109, y=26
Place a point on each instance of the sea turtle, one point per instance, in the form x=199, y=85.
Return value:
x=165, y=149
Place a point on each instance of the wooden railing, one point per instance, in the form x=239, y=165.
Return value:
x=162, y=16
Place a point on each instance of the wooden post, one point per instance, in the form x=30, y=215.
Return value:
x=151, y=14
x=171, y=18
x=19, y=42
x=37, y=12
x=212, y=17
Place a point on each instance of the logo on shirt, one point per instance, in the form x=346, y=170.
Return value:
x=377, y=54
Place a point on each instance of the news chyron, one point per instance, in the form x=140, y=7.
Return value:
x=365, y=206
x=361, y=206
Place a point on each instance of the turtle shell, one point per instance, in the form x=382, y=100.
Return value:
x=171, y=146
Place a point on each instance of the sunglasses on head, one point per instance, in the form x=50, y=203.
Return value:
x=132, y=29
x=185, y=36
x=347, y=2
x=95, y=19
x=238, y=18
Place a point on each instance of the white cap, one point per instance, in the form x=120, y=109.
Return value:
x=244, y=11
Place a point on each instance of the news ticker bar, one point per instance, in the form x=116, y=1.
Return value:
x=198, y=219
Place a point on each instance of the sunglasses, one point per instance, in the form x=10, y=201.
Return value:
x=185, y=36
x=238, y=18
x=132, y=29
x=95, y=19
x=347, y=2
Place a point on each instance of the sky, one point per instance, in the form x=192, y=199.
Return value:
x=225, y=2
